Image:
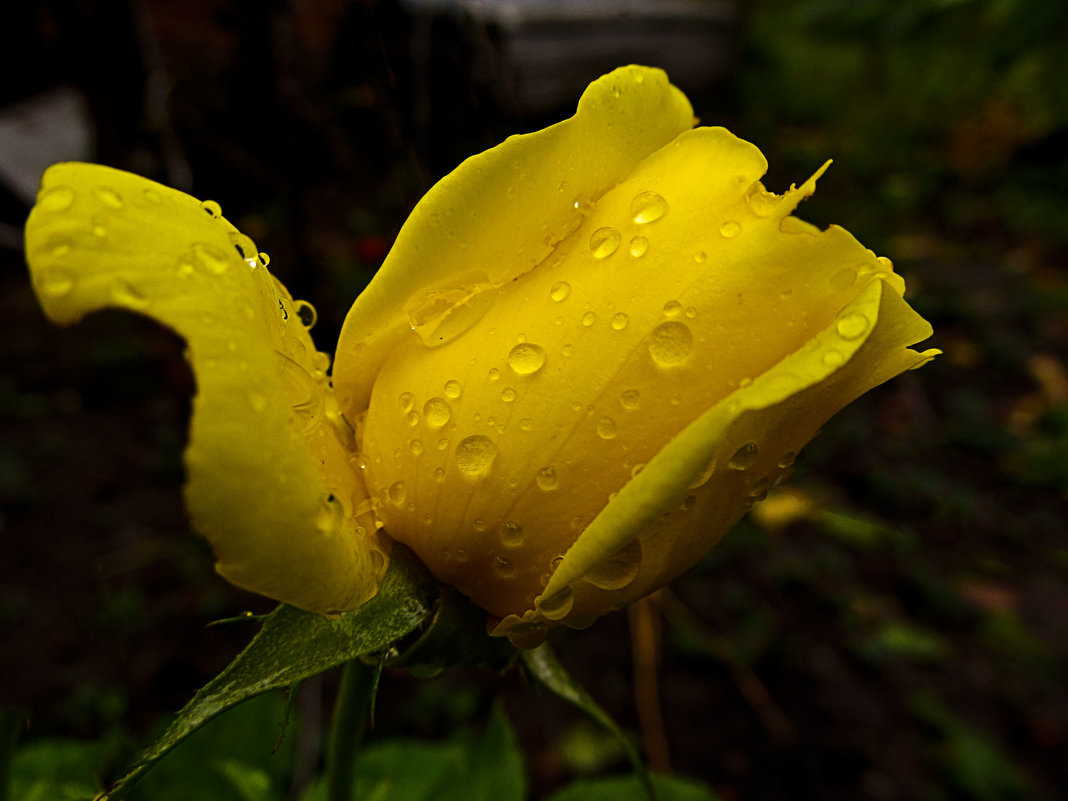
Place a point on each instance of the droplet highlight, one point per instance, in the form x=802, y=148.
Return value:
x=526, y=358
x=511, y=534
x=474, y=455
x=604, y=242
x=743, y=458
x=619, y=570
x=852, y=326
x=670, y=343
x=648, y=207
x=547, y=478
x=559, y=291
x=437, y=412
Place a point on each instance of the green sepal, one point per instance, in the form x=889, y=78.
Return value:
x=542, y=663
x=294, y=645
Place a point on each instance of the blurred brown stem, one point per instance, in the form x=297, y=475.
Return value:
x=645, y=642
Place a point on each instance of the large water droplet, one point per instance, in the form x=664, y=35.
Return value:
x=619, y=321
x=212, y=208
x=210, y=258
x=559, y=291
x=630, y=399
x=440, y=314
x=306, y=313
x=606, y=428
x=604, y=242
x=56, y=283
x=833, y=358
x=672, y=308
x=730, y=229
x=648, y=207
x=437, y=412
x=511, y=534
x=618, y=570
x=557, y=606
x=547, y=478
x=56, y=199
x=398, y=493
x=475, y=454
x=670, y=343
x=743, y=458
x=526, y=358
x=853, y=326
x=639, y=246
x=787, y=459
x=589, y=318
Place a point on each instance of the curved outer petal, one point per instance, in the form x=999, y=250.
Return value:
x=270, y=481
x=686, y=283
x=502, y=212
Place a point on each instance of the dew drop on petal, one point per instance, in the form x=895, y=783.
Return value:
x=556, y=606
x=212, y=208
x=526, y=358
x=744, y=457
x=787, y=459
x=604, y=242
x=589, y=318
x=437, y=412
x=648, y=207
x=504, y=568
x=619, y=321
x=210, y=258
x=618, y=570
x=606, y=428
x=56, y=283
x=406, y=400
x=700, y=257
x=843, y=279
x=56, y=199
x=475, y=454
x=416, y=446
x=507, y=394
x=637, y=469
x=630, y=399
x=639, y=246
x=152, y=196
x=672, y=308
x=547, y=478
x=833, y=358
x=413, y=419
x=511, y=534
x=494, y=374
x=670, y=343
x=264, y=258
x=559, y=291
x=452, y=388
x=526, y=424
x=439, y=475
x=730, y=229
x=397, y=493
x=853, y=326
x=108, y=197
x=306, y=314
x=125, y=294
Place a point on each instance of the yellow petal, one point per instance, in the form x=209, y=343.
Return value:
x=499, y=215
x=270, y=479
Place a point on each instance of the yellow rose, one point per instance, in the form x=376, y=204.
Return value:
x=589, y=351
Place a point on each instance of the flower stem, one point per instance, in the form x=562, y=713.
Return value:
x=358, y=682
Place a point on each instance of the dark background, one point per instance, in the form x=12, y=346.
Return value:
x=903, y=638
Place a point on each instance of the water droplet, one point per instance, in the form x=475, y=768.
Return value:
x=670, y=343
x=559, y=291
x=691, y=311
x=56, y=199
x=257, y=401
x=526, y=358
x=526, y=424
x=630, y=399
x=648, y=207
x=567, y=350
x=672, y=308
x=730, y=229
x=604, y=242
x=787, y=459
x=639, y=246
x=494, y=374
x=99, y=231
x=504, y=568
x=508, y=395
x=619, y=321
x=306, y=314
x=56, y=283
x=853, y=326
x=511, y=534
x=264, y=258
x=439, y=475
x=212, y=208
x=744, y=457
x=413, y=419
x=397, y=493
x=443, y=444
x=416, y=446
x=210, y=257
x=618, y=570
x=833, y=358
x=637, y=469
x=59, y=247
x=606, y=428
x=437, y=412
x=589, y=318
x=843, y=279
x=125, y=294
x=475, y=454
x=760, y=490
x=700, y=257
x=557, y=606
x=331, y=513
x=152, y=196
x=547, y=478
x=637, y=74
x=406, y=400
x=108, y=197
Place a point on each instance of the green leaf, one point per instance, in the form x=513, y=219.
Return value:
x=626, y=788
x=294, y=645
x=57, y=770
x=470, y=766
x=542, y=663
